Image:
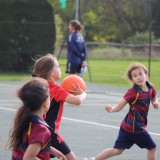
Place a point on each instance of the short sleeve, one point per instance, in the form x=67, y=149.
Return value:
x=58, y=93
x=39, y=133
x=153, y=92
x=130, y=95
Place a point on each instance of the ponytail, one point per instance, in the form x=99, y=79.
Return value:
x=32, y=95
x=21, y=123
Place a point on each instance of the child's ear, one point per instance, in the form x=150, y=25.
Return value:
x=46, y=104
x=51, y=73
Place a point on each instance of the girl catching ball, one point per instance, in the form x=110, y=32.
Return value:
x=47, y=67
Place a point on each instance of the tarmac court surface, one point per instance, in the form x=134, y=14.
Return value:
x=88, y=129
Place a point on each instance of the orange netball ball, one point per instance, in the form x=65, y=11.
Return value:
x=68, y=82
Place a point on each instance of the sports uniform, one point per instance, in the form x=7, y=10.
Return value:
x=54, y=116
x=38, y=131
x=76, y=53
x=133, y=127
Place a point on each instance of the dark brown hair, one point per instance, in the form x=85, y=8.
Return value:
x=32, y=94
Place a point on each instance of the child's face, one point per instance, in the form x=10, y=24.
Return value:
x=139, y=77
x=56, y=71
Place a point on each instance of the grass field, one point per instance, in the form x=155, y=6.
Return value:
x=113, y=72
x=104, y=71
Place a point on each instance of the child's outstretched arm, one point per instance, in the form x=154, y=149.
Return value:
x=117, y=107
x=77, y=90
x=77, y=97
x=155, y=103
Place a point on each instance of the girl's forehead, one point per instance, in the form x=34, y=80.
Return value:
x=137, y=70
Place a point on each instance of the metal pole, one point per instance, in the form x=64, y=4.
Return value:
x=150, y=41
x=77, y=10
x=77, y=17
x=150, y=47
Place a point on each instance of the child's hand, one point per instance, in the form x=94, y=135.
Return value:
x=156, y=105
x=109, y=108
x=77, y=90
x=57, y=153
x=61, y=156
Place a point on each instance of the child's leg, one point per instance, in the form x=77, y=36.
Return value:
x=151, y=154
x=110, y=152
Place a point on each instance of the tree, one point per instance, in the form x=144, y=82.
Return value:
x=154, y=4
x=27, y=28
x=111, y=20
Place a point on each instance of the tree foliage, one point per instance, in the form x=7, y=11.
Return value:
x=111, y=20
x=26, y=29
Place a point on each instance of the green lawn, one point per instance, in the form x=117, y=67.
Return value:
x=110, y=72
x=14, y=76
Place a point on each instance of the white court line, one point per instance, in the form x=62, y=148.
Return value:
x=100, y=124
x=82, y=121
x=8, y=85
x=8, y=109
x=92, y=123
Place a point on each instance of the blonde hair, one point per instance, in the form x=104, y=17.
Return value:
x=136, y=66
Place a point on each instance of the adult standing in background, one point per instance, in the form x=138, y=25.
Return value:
x=76, y=51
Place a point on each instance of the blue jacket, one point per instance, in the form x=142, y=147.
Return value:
x=76, y=48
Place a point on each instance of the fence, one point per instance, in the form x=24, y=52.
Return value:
x=112, y=49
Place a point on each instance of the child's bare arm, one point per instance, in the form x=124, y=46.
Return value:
x=155, y=103
x=32, y=151
x=77, y=96
x=76, y=99
x=117, y=107
x=57, y=153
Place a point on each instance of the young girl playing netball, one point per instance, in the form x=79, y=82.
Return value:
x=30, y=136
x=133, y=127
x=47, y=67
